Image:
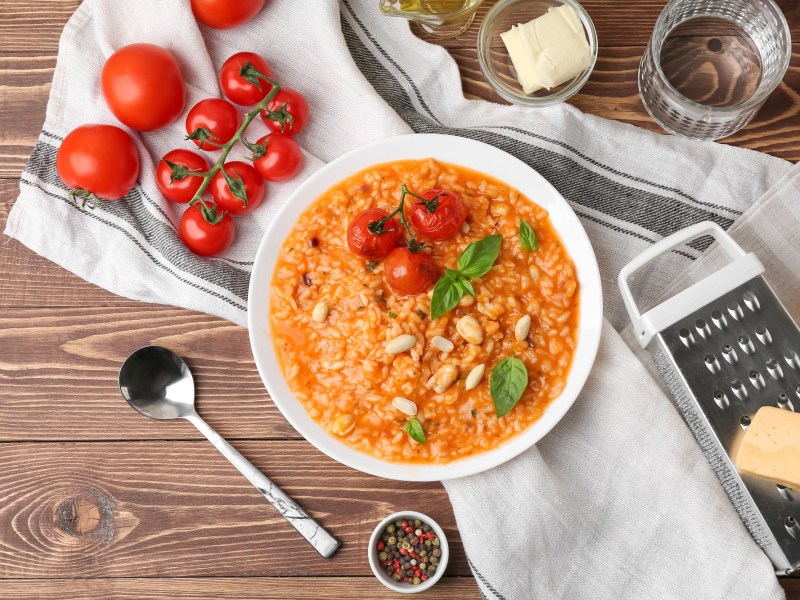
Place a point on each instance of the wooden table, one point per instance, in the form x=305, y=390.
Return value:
x=99, y=502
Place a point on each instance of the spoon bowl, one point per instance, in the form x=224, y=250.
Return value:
x=157, y=383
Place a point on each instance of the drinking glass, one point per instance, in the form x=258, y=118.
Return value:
x=710, y=64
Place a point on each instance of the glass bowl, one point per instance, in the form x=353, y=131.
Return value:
x=496, y=63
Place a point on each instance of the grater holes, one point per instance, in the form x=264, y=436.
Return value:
x=702, y=328
x=729, y=354
x=719, y=319
x=745, y=422
x=784, y=492
x=784, y=402
x=712, y=363
x=756, y=379
x=738, y=389
x=686, y=337
x=746, y=344
x=751, y=300
x=791, y=358
x=735, y=311
x=721, y=399
x=774, y=369
x=791, y=526
x=763, y=335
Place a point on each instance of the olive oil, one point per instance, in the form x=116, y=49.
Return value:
x=441, y=18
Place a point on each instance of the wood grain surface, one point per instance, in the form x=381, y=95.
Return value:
x=96, y=501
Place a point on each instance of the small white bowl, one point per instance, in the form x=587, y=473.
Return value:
x=407, y=588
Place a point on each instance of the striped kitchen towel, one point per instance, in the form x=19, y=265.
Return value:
x=618, y=501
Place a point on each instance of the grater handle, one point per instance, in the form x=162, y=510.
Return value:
x=745, y=266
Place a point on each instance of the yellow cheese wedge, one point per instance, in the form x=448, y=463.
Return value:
x=770, y=447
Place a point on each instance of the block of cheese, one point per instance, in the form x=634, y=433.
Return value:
x=549, y=50
x=770, y=447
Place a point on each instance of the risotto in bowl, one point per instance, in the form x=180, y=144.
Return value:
x=425, y=308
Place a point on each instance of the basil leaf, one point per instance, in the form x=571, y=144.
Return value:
x=414, y=429
x=466, y=287
x=478, y=257
x=446, y=293
x=527, y=237
x=508, y=380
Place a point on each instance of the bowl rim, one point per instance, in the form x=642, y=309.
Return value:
x=524, y=99
x=468, y=153
x=404, y=588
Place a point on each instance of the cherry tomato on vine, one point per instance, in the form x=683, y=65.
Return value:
x=239, y=76
x=98, y=159
x=203, y=237
x=224, y=14
x=440, y=216
x=143, y=86
x=286, y=101
x=282, y=158
x=410, y=273
x=211, y=123
x=373, y=246
x=174, y=181
x=242, y=180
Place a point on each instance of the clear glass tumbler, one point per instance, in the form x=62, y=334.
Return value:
x=710, y=64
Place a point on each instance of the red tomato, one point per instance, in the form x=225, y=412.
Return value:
x=236, y=88
x=202, y=237
x=224, y=14
x=218, y=117
x=175, y=188
x=143, y=86
x=101, y=159
x=282, y=159
x=243, y=177
x=294, y=104
x=440, y=216
x=368, y=245
x=410, y=273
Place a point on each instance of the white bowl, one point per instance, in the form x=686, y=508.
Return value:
x=473, y=155
x=407, y=588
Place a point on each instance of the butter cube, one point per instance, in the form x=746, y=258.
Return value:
x=770, y=447
x=549, y=50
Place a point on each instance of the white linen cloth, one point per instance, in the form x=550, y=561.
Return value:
x=618, y=501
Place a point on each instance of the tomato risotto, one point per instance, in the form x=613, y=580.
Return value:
x=424, y=312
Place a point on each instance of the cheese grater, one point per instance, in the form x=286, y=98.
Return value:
x=725, y=347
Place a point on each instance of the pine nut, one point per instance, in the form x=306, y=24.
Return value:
x=445, y=377
x=465, y=227
x=442, y=344
x=343, y=424
x=320, y=312
x=474, y=377
x=466, y=300
x=405, y=406
x=469, y=329
x=522, y=328
x=401, y=343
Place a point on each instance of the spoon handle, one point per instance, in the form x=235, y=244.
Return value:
x=315, y=534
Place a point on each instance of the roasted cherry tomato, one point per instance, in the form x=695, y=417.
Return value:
x=243, y=178
x=440, y=216
x=99, y=159
x=143, y=86
x=173, y=178
x=211, y=123
x=205, y=238
x=224, y=14
x=238, y=75
x=282, y=158
x=373, y=246
x=286, y=101
x=410, y=273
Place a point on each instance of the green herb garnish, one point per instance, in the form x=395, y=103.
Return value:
x=475, y=261
x=371, y=264
x=527, y=237
x=392, y=315
x=508, y=380
x=362, y=307
x=421, y=314
x=474, y=413
x=414, y=429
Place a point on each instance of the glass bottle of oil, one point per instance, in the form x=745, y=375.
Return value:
x=441, y=18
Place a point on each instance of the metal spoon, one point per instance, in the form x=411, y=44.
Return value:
x=157, y=383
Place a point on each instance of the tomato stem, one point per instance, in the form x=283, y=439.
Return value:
x=228, y=146
x=377, y=227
